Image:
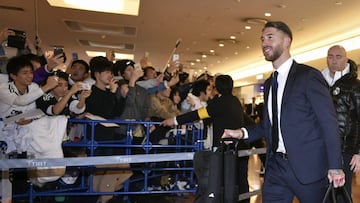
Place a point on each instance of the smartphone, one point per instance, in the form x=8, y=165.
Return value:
x=58, y=51
x=175, y=57
x=75, y=56
x=86, y=86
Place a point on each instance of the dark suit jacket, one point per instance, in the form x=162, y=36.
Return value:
x=308, y=124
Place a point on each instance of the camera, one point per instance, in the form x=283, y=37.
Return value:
x=17, y=40
x=86, y=86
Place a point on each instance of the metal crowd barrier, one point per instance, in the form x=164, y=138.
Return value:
x=186, y=143
x=180, y=153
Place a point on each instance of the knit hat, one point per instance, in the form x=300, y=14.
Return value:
x=121, y=66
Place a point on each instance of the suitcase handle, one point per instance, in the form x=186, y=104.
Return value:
x=234, y=143
x=331, y=191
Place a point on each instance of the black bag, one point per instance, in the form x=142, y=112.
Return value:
x=216, y=174
x=331, y=191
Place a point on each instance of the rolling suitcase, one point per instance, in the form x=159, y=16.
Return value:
x=216, y=173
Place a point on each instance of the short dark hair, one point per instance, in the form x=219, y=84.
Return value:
x=199, y=86
x=17, y=63
x=82, y=62
x=121, y=65
x=224, y=84
x=280, y=26
x=33, y=57
x=100, y=64
x=61, y=74
x=147, y=69
x=58, y=73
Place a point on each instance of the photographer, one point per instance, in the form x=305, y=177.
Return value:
x=61, y=100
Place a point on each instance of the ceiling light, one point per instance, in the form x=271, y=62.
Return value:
x=126, y=7
x=281, y=6
x=221, y=44
x=260, y=76
x=256, y=21
x=198, y=60
x=192, y=64
x=267, y=14
x=204, y=56
x=247, y=27
x=236, y=53
x=338, y=3
x=117, y=55
x=212, y=51
x=232, y=37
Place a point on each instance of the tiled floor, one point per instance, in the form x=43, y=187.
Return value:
x=255, y=183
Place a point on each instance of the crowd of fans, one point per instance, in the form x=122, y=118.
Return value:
x=119, y=89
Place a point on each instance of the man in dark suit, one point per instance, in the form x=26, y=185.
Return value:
x=303, y=145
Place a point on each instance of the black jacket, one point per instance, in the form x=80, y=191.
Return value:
x=225, y=111
x=346, y=97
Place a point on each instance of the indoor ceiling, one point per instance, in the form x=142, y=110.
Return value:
x=200, y=24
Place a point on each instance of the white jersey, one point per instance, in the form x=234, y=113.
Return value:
x=12, y=102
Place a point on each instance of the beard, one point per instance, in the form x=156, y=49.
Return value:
x=274, y=54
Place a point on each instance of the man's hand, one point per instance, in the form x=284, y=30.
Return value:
x=23, y=121
x=174, y=80
x=54, y=61
x=355, y=163
x=337, y=177
x=4, y=34
x=76, y=87
x=51, y=83
x=238, y=133
x=113, y=85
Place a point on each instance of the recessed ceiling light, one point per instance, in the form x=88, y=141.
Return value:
x=248, y=27
x=232, y=37
x=198, y=60
x=236, y=53
x=205, y=68
x=192, y=64
x=221, y=44
x=204, y=56
x=212, y=51
x=127, y=7
x=281, y=6
x=256, y=21
x=338, y=3
x=248, y=47
x=267, y=14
